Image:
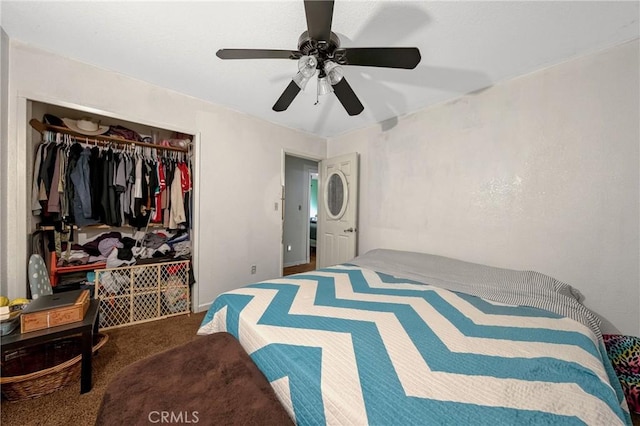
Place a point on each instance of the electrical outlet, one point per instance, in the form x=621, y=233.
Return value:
x=254, y=268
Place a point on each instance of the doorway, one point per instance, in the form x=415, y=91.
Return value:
x=300, y=209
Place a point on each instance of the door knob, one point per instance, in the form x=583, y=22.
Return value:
x=349, y=230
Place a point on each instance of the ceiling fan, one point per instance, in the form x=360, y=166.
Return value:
x=319, y=50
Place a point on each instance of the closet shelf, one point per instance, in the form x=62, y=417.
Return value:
x=103, y=140
x=97, y=226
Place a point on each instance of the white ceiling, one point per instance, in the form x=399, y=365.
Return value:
x=465, y=46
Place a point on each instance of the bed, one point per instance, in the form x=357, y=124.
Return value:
x=411, y=338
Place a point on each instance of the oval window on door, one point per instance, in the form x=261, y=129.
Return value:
x=336, y=194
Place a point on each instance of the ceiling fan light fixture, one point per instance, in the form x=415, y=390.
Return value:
x=307, y=65
x=324, y=86
x=301, y=80
x=319, y=51
x=333, y=71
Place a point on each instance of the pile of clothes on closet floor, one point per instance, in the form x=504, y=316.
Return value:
x=116, y=250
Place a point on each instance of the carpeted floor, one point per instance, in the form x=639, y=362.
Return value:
x=126, y=345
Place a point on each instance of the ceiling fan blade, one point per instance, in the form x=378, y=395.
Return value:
x=388, y=57
x=347, y=97
x=319, y=15
x=287, y=97
x=258, y=54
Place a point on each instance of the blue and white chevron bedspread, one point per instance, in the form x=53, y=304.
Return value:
x=350, y=346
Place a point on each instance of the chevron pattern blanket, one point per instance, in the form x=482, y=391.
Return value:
x=351, y=346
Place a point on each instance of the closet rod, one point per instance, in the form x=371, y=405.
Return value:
x=103, y=140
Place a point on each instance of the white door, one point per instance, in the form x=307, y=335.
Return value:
x=337, y=234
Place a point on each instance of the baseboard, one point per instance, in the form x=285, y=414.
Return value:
x=202, y=308
x=290, y=264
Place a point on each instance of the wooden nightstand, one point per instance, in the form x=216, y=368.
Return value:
x=87, y=328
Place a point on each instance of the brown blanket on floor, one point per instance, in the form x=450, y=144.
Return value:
x=210, y=380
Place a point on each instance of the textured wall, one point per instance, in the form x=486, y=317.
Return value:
x=541, y=172
x=4, y=125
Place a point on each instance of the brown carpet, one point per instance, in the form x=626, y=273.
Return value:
x=125, y=346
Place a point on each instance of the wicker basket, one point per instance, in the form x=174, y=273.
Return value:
x=38, y=370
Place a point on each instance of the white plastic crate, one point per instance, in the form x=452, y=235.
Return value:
x=141, y=293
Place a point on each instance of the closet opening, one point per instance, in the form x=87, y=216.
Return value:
x=136, y=189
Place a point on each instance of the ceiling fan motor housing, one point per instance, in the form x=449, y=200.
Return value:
x=322, y=50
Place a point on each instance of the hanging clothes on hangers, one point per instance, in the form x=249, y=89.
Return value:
x=85, y=184
x=80, y=177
